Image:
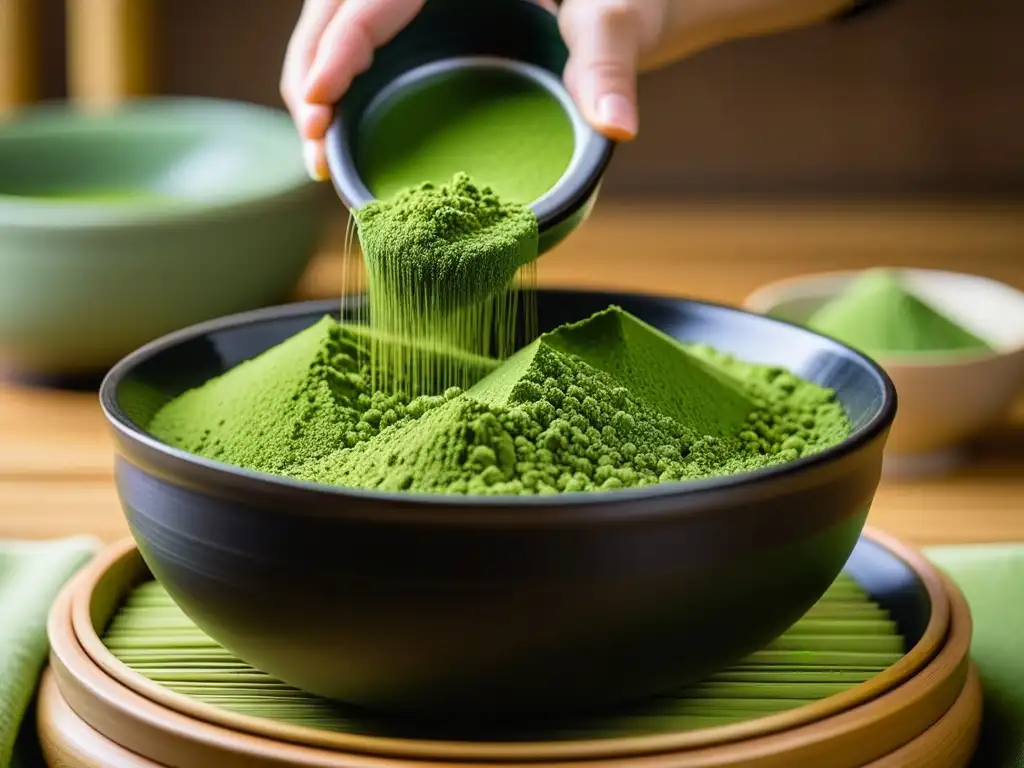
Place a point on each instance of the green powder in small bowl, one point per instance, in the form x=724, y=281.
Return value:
x=504, y=130
x=880, y=316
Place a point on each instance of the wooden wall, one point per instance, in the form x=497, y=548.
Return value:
x=924, y=98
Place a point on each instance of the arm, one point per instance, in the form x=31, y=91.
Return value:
x=611, y=41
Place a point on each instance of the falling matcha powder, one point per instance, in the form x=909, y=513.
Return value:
x=441, y=263
x=605, y=403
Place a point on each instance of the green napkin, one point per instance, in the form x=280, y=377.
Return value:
x=992, y=578
x=28, y=751
x=31, y=575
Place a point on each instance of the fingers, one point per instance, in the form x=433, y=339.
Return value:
x=310, y=119
x=347, y=44
x=604, y=38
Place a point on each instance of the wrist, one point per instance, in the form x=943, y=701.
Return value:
x=695, y=25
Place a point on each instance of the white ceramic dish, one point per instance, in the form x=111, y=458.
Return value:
x=946, y=399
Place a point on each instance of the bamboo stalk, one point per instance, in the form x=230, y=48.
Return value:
x=18, y=53
x=110, y=51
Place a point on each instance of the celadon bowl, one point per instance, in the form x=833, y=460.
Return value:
x=490, y=605
x=119, y=227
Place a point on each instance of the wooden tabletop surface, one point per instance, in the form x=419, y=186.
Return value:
x=55, y=453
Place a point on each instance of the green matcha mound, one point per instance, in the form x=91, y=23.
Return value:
x=648, y=363
x=792, y=416
x=441, y=265
x=297, y=401
x=547, y=420
x=561, y=425
x=878, y=315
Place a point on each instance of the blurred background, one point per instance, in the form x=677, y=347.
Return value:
x=894, y=140
x=923, y=98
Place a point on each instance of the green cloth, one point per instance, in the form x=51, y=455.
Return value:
x=992, y=579
x=31, y=575
x=28, y=752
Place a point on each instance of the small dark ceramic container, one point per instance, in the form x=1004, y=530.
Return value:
x=516, y=36
x=412, y=602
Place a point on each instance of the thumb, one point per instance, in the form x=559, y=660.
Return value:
x=603, y=37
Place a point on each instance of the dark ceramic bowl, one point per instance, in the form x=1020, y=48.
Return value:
x=408, y=602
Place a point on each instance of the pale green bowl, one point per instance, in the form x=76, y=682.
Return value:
x=118, y=228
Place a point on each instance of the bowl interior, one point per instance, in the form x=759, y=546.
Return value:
x=989, y=309
x=148, y=152
x=147, y=379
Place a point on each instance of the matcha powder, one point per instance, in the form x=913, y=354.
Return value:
x=441, y=263
x=602, y=404
x=878, y=315
x=501, y=128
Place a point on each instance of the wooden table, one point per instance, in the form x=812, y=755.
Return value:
x=55, y=454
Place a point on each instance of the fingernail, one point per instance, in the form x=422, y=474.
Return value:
x=311, y=154
x=308, y=89
x=617, y=115
x=307, y=126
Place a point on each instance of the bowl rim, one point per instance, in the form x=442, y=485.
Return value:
x=60, y=118
x=465, y=507
x=768, y=296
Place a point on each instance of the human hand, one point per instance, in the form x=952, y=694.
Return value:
x=610, y=42
x=333, y=41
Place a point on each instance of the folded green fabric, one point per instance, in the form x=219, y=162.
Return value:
x=28, y=752
x=992, y=579
x=31, y=575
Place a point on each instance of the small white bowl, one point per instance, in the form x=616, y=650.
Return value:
x=945, y=398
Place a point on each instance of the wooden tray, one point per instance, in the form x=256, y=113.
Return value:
x=68, y=742
x=166, y=727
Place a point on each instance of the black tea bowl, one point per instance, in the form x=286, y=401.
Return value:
x=441, y=605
